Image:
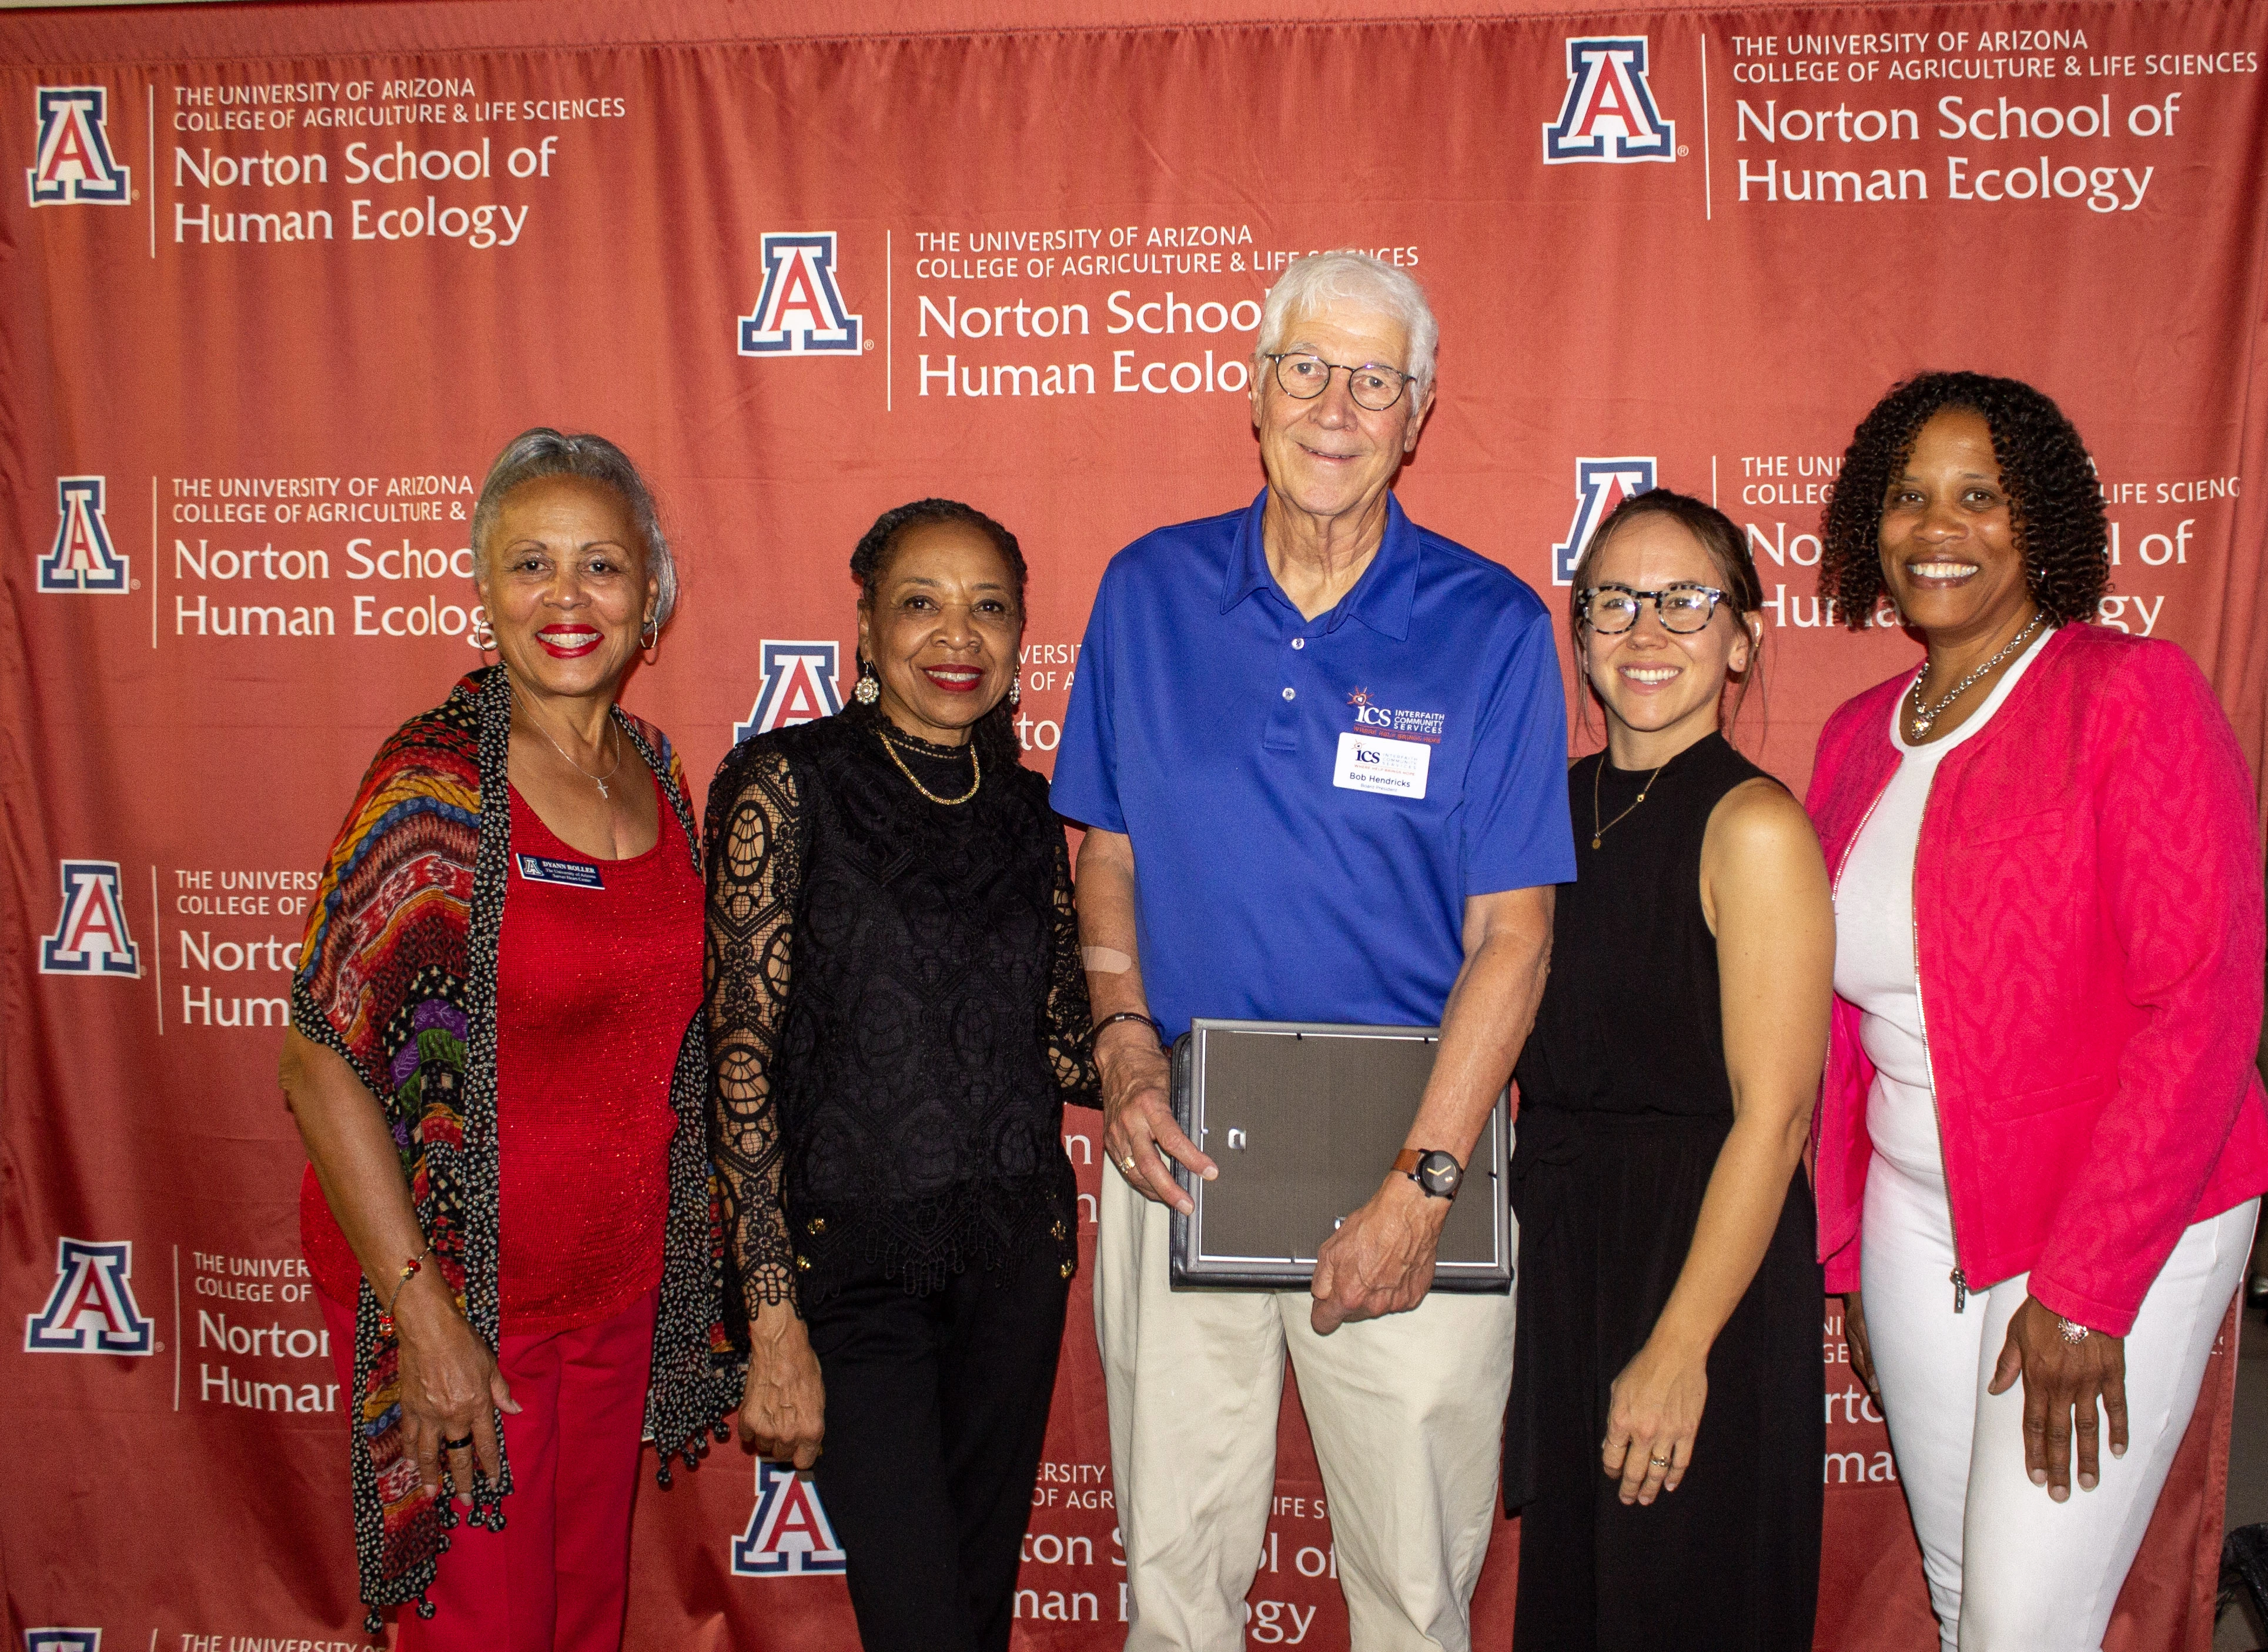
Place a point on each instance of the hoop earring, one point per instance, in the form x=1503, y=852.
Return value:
x=649, y=638
x=870, y=686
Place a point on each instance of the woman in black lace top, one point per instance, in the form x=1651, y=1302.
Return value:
x=896, y=1015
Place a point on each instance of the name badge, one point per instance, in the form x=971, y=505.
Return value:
x=1396, y=768
x=575, y=874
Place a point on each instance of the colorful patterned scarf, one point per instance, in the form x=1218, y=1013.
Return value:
x=399, y=977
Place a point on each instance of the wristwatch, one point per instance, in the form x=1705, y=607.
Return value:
x=1437, y=1174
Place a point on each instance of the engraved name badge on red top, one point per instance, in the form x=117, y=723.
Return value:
x=575, y=874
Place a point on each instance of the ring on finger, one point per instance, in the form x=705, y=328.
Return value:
x=457, y=1445
x=1128, y=1164
x=1660, y=1463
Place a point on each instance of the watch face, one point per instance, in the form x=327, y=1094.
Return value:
x=1439, y=1173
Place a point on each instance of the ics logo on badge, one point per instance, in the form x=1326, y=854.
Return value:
x=1394, y=767
x=1609, y=113
x=82, y=558
x=788, y=1534
x=1600, y=484
x=74, y=165
x=798, y=687
x=92, y=1308
x=800, y=311
x=91, y=937
x=63, y=1641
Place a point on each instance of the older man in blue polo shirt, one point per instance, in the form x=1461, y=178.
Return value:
x=1320, y=755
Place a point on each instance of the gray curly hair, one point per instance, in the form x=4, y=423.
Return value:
x=544, y=451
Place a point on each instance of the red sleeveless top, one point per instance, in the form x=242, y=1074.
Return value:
x=594, y=987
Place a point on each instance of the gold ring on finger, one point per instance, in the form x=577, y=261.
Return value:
x=1660, y=1463
x=1127, y=1164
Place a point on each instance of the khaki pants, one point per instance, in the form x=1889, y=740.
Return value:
x=1407, y=1414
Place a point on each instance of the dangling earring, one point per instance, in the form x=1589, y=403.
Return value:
x=1015, y=690
x=870, y=686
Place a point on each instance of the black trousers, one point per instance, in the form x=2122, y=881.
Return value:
x=937, y=1411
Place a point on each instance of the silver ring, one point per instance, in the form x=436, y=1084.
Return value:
x=1660, y=1463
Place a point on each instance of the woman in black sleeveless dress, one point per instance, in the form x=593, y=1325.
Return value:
x=1667, y=1425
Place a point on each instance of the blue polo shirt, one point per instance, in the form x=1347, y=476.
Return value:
x=1311, y=801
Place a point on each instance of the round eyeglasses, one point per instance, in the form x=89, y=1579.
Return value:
x=1683, y=607
x=1303, y=377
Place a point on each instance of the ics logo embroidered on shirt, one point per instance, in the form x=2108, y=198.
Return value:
x=798, y=687
x=82, y=558
x=91, y=936
x=800, y=311
x=1609, y=113
x=1403, y=725
x=63, y=1641
x=1600, y=484
x=91, y=1308
x=788, y=1533
x=74, y=165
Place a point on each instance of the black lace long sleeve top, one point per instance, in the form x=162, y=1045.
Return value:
x=896, y=1012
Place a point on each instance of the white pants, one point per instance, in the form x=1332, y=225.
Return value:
x=1407, y=1414
x=2010, y=1569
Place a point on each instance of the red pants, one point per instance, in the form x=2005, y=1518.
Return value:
x=557, y=1578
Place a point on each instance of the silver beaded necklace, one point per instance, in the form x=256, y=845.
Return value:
x=1924, y=716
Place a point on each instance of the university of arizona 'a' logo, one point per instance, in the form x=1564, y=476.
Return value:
x=788, y=1534
x=1600, y=484
x=91, y=937
x=63, y=1641
x=798, y=688
x=74, y=163
x=82, y=558
x=91, y=1308
x=800, y=311
x=1609, y=114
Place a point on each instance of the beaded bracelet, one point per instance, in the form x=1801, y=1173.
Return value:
x=408, y=1273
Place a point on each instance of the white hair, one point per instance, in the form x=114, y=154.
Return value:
x=544, y=451
x=1315, y=282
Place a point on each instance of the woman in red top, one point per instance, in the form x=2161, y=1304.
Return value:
x=2040, y=1140
x=506, y=1210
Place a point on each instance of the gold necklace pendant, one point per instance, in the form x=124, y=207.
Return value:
x=976, y=771
x=1599, y=831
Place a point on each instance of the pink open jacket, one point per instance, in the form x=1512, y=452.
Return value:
x=2088, y=927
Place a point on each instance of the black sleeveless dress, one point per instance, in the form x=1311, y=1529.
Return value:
x=1624, y=1103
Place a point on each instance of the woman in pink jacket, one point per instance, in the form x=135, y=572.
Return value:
x=2040, y=1138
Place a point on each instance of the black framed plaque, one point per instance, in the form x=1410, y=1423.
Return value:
x=1304, y=1119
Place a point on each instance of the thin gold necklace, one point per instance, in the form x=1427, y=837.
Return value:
x=976, y=771
x=1599, y=831
x=595, y=779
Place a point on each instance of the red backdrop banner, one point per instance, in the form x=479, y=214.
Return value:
x=277, y=284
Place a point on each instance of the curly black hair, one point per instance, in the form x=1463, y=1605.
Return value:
x=996, y=731
x=2055, y=504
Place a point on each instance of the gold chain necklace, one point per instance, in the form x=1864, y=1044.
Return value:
x=1923, y=718
x=1599, y=831
x=976, y=771
x=595, y=779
